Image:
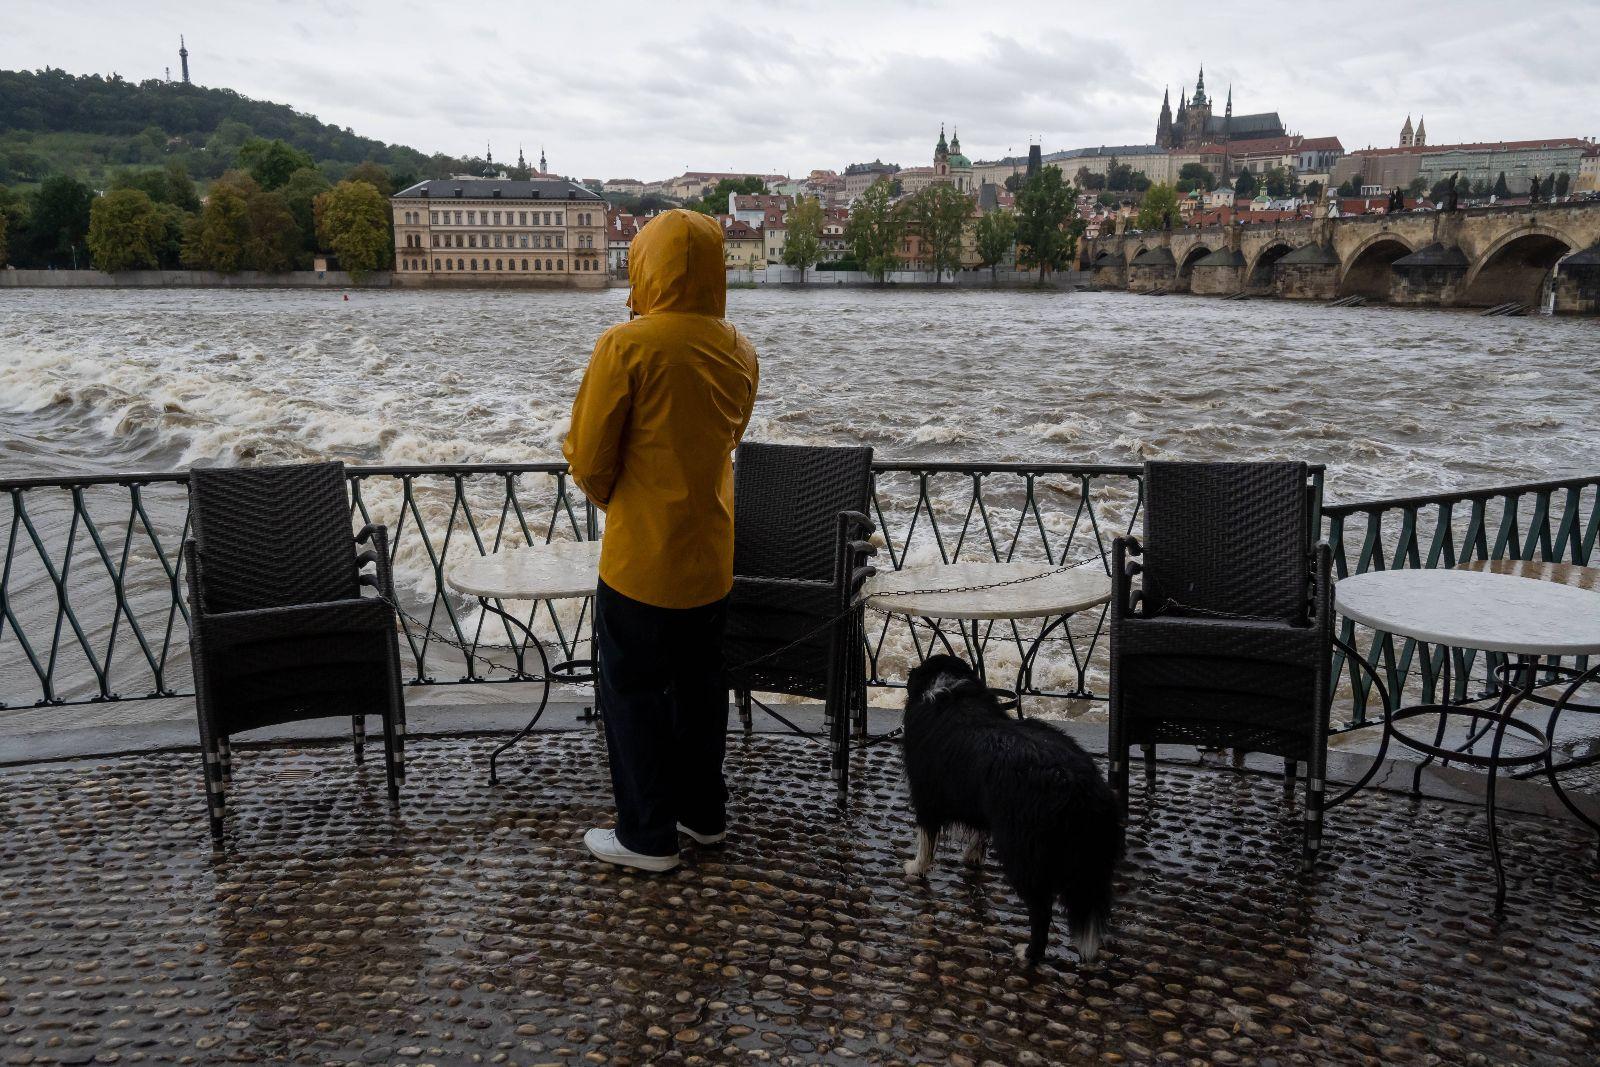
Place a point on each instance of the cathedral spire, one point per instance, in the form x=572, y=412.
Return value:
x=1200, y=87
x=1406, y=138
x=955, y=140
x=1422, y=132
x=1229, y=112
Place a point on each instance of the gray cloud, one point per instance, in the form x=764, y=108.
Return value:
x=643, y=89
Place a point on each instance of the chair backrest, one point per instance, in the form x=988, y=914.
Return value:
x=272, y=536
x=1229, y=538
x=786, y=505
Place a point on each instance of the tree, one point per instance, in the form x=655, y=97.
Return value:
x=274, y=241
x=58, y=221
x=1245, y=186
x=1500, y=189
x=1199, y=177
x=353, y=222
x=174, y=223
x=271, y=162
x=374, y=175
x=1159, y=210
x=217, y=241
x=938, y=214
x=1418, y=186
x=1563, y=183
x=1352, y=187
x=1280, y=183
x=3, y=227
x=874, y=229
x=1119, y=176
x=1086, y=179
x=995, y=233
x=1047, y=224
x=1439, y=191
x=300, y=194
x=715, y=199
x=803, y=247
x=125, y=231
x=1314, y=191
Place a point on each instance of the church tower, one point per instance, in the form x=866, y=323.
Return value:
x=1197, y=115
x=941, y=151
x=1407, y=138
x=1422, y=132
x=1164, y=123
x=183, y=58
x=543, y=169
x=1227, y=117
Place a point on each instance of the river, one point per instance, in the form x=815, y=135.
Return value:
x=1392, y=400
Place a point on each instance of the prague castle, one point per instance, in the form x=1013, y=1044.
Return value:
x=1194, y=124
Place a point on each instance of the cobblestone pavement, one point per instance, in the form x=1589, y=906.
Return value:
x=472, y=927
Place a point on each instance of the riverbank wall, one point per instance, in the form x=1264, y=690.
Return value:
x=966, y=279
x=188, y=279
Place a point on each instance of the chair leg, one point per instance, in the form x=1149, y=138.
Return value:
x=358, y=734
x=1313, y=819
x=746, y=715
x=225, y=761
x=1290, y=767
x=1149, y=766
x=393, y=754
x=216, y=791
x=1118, y=776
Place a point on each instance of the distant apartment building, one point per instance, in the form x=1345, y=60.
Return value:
x=774, y=238
x=621, y=229
x=1479, y=163
x=859, y=177
x=752, y=209
x=694, y=183
x=743, y=246
x=835, y=245
x=624, y=186
x=1587, y=180
x=497, y=231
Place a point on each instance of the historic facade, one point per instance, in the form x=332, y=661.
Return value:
x=1194, y=124
x=497, y=231
x=950, y=167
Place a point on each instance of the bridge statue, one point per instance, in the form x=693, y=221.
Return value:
x=1533, y=191
x=1450, y=193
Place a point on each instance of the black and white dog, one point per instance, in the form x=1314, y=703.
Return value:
x=1024, y=787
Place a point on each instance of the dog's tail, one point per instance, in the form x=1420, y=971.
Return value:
x=1086, y=883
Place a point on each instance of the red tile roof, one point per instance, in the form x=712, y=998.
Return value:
x=1321, y=144
x=1477, y=146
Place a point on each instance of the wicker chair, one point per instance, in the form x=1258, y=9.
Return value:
x=278, y=628
x=800, y=556
x=1228, y=640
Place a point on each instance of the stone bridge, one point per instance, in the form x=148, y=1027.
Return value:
x=1478, y=257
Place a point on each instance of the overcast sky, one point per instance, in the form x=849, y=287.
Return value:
x=647, y=90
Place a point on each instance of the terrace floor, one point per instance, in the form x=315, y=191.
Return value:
x=473, y=928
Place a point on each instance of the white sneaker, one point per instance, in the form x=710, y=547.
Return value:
x=702, y=839
x=603, y=844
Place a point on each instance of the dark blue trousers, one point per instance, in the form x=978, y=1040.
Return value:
x=665, y=703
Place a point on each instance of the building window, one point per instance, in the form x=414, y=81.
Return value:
x=524, y=243
x=499, y=264
x=560, y=239
x=558, y=218
x=559, y=266
x=449, y=264
x=436, y=264
x=433, y=217
x=538, y=264
x=472, y=240
x=497, y=240
x=474, y=264
x=497, y=218
x=524, y=264
x=522, y=218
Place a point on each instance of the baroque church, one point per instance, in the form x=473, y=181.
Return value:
x=1194, y=124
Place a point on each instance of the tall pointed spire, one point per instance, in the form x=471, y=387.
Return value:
x=1200, y=87
x=542, y=168
x=1422, y=132
x=955, y=140
x=1229, y=112
x=1406, y=138
x=183, y=57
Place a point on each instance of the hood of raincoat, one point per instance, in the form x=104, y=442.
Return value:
x=676, y=264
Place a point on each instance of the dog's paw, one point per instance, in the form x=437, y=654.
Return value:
x=1021, y=952
x=916, y=869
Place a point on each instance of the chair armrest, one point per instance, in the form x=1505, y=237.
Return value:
x=383, y=577
x=357, y=615
x=1126, y=601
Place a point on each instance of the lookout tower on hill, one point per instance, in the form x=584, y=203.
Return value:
x=183, y=58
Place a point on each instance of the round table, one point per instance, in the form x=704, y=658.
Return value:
x=983, y=592
x=1490, y=612
x=560, y=570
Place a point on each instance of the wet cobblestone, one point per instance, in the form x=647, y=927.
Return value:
x=473, y=928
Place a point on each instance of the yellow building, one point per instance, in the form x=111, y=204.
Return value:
x=495, y=231
x=743, y=246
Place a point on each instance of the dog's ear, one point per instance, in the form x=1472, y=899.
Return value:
x=930, y=670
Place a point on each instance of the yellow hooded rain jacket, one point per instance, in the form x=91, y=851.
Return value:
x=664, y=401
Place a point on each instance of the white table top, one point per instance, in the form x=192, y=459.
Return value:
x=1060, y=593
x=1475, y=609
x=541, y=572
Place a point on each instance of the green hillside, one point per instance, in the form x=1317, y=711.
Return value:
x=88, y=127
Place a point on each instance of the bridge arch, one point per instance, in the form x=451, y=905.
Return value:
x=1259, y=276
x=1367, y=272
x=1516, y=267
x=1185, y=277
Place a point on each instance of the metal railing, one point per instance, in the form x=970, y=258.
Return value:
x=92, y=604
x=1551, y=521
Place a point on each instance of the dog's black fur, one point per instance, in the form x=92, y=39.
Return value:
x=1025, y=787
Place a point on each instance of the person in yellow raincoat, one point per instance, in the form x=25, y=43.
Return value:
x=665, y=400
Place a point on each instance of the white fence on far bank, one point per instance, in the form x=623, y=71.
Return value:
x=965, y=279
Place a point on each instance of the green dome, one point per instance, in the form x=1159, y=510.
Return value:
x=959, y=160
